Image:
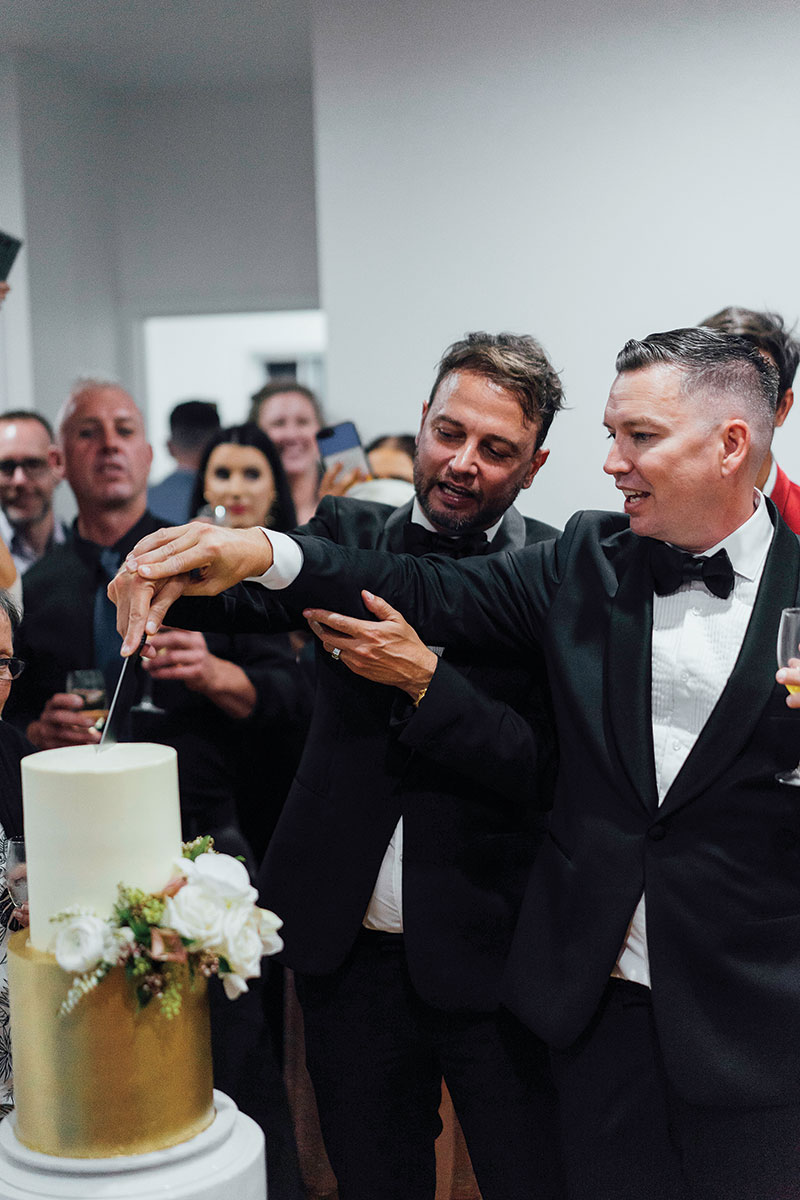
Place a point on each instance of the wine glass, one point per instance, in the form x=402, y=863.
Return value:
x=17, y=871
x=788, y=650
x=90, y=685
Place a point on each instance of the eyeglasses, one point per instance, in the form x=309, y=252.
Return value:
x=34, y=468
x=11, y=668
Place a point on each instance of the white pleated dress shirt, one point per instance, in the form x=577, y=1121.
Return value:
x=695, y=643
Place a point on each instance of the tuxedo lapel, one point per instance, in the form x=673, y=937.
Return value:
x=752, y=680
x=627, y=667
x=511, y=535
x=391, y=536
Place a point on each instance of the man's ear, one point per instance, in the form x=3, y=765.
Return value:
x=537, y=462
x=55, y=461
x=736, y=444
x=785, y=403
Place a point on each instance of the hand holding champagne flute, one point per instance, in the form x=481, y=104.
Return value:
x=789, y=671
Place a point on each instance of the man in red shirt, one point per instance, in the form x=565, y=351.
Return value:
x=767, y=331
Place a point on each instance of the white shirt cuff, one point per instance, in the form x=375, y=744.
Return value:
x=287, y=562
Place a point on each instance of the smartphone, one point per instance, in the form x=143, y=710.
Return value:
x=341, y=443
x=9, y=249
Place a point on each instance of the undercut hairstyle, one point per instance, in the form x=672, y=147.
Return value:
x=725, y=371
x=282, y=515
x=768, y=332
x=193, y=422
x=515, y=362
x=8, y=606
x=24, y=414
x=277, y=387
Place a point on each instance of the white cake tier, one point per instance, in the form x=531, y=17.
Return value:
x=95, y=819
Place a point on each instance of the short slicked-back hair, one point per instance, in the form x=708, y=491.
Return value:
x=715, y=367
x=768, y=332
x=26, y=414
x=515, y=362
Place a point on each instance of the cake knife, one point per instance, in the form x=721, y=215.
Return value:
x=122, y=698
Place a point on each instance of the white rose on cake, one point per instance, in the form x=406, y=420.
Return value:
x=220, y=876
x=83, y=942
x=248, y=934
x=195, y=915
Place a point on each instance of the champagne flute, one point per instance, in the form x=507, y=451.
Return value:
x=788, y=649
x=17, y=871
x=90, y=685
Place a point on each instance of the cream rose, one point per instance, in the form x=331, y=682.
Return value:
x=221, y=876
x=83, y=942
x=195, y=915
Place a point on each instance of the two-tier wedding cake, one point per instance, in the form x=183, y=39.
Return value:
x=108, y=1077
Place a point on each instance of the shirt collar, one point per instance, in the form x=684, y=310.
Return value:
x=772, y=478
x=418, y=518
x=747, y=546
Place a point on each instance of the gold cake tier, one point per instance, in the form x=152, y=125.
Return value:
x=107, y=1078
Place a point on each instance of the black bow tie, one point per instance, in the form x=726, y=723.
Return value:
x=418, y=540
x=673, y=567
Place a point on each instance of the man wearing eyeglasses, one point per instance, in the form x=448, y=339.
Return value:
x=30, y=471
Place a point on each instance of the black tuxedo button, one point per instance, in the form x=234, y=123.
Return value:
x=657, y=833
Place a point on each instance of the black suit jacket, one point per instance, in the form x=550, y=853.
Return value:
x=466, y=771
x=720, y=858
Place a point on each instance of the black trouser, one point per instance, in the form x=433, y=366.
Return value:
x=377, y=1053
x=628, y=1136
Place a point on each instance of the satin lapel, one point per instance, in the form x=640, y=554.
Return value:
x=628, y=656
x=391, y=536
x=511, y=535
x=752, y=680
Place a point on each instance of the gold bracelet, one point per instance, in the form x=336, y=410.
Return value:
x=420, y=696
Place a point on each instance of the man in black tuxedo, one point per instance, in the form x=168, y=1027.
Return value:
x=401, y=855
x=677, y=1036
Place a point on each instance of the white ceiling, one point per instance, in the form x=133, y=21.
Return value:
x=161, y=44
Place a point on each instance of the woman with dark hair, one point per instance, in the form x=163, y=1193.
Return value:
x=247, y=686
x=241, y=471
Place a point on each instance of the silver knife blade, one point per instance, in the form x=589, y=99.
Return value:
x=107, y=738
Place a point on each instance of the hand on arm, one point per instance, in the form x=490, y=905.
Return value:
x=386, y=651
x=63, y=723
x=193, y=560
x=183, y=654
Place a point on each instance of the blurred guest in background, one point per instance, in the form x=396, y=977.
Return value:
x=291, y=415
x=769, y=334
x=391, y=465
x=30, y=472
x=191, y=424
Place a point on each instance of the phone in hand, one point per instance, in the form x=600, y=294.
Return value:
x=341, y=444
x=9, y=249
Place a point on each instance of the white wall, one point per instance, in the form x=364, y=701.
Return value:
x=16, y=358
x=215, y=205
x=581, y=172
x=68, y=145
x=136, y=205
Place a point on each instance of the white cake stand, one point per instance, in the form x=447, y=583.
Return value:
x=224, y=1160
